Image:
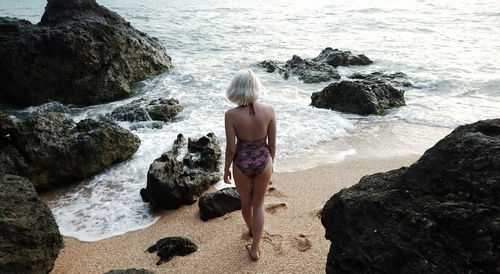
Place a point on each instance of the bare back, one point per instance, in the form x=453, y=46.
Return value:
x=239, y=122
x=252, y=127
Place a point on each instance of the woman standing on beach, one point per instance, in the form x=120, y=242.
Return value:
x=251, y=124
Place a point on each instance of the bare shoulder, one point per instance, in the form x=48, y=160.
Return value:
x=268, y=108
x=230, y=113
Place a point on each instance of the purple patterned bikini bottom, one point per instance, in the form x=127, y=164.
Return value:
x=251, y=157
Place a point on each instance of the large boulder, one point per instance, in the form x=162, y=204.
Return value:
x=143, y=110
x=360, y=97
x=29, y=236
x=52, y=150
x=440, y=215
x=182, y=174
x=79, y=53
x=318, y=69
x=218, y=203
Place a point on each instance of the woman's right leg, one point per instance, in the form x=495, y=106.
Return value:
x=260, y=184
x=244, y=187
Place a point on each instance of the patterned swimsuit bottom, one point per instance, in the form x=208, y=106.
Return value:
x=251, y=157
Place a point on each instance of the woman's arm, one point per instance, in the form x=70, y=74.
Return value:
x=230, y=146
x=271, y=134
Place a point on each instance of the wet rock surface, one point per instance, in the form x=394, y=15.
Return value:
x=52, y=150
x=440, y=215
x=170, y=247
x=143, y=110
x=396, y=78
x=218, y=203
x=336, y=57
x=182, y=174
x=318, y=69
x=360, y=97
x=79, y=53
x=29, y=236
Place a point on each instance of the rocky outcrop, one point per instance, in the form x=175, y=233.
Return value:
x=29, y=236
x=336, y=57
x=143, y=110
x=182, y=174
x=396, y=78
x=440, y=215
x=318, y=69
x=170, y=247
x=52, y=150
x=79, y=53
x=218, y=203
x=360, y=97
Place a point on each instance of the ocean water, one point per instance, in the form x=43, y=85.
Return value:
x=448, y=49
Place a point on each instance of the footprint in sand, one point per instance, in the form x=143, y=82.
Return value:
x=302, y=243
x=273, y=208
x=272, y=191
x=275, y=240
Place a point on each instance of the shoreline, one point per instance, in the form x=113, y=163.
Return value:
x=293, y=238
x=369, y=139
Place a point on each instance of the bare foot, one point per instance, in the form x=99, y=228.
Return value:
x=255, y=257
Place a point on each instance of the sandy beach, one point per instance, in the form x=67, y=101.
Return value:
x=293, y=241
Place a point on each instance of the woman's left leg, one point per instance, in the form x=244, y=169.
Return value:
x=260, y=184
x=244, y=188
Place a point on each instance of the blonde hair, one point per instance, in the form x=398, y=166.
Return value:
x=244, y=88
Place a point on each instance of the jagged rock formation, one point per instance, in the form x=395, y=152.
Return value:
x=52, y=150
x=182, y=174
x=440, y=215
x=143, y=110
x=318, y=69
x=79, y=53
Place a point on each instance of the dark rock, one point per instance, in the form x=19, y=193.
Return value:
x=397, y=78
x=218, y=203
x=79, y=53
x=182, y=174
x=7, y=126
x=52, y=150
x=360, y=97
x=29, y=236
x=440, y=215
x=172, y=246
x=335, y=58
x=305, y=69
x=311, y=72
x=319, y=69
x=130, y=271
x=143, y=110
x=270, y=65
